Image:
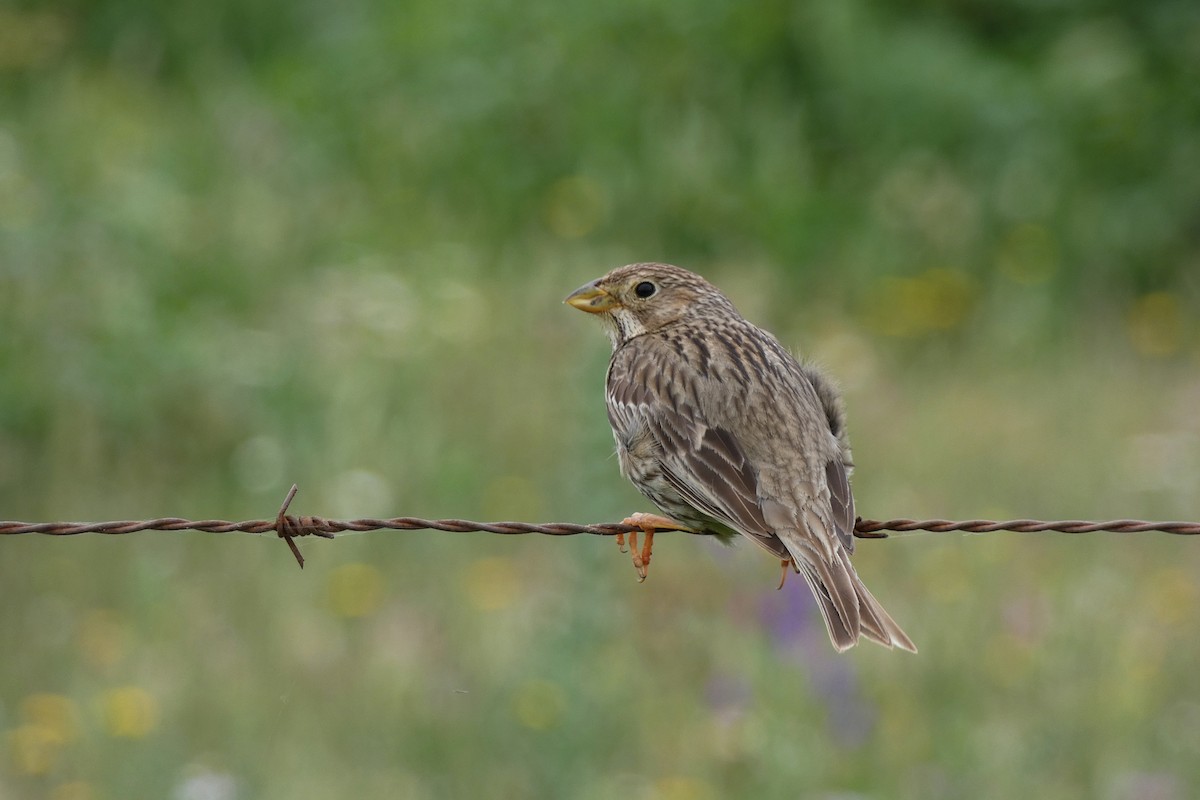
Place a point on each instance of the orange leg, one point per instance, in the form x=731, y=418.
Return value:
x=787, y=567
x=646, y=548
x=637, y=557
x=641, y=558
x=649, y=523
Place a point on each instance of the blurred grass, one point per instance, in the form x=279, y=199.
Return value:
x=242, y=246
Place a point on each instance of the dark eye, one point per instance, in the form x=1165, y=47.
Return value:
x=645, y=289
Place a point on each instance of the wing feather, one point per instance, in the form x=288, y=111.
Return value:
x=842, y=501
x=703, y=463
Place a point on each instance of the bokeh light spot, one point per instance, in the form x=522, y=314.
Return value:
x=207, y=784
x=54, y=712
x=32, y=749
x=1092, y=56
x=355, y=590
x=540, y=704
x=130, y=712
x=51, y=721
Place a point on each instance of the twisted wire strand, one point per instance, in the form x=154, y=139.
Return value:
x=318, y=526
x=311, y=526
x=289, y=527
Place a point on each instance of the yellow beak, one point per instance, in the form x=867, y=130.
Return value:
x=591, y=298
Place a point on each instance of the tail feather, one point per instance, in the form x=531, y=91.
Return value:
x=849, y=609
x=837, y=597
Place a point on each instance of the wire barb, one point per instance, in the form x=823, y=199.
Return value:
x=289, y=527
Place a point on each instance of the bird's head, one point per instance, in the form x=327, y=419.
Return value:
x=643, y=298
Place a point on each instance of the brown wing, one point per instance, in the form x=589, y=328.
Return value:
x=704, y=464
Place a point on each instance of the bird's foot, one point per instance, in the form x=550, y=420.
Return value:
x=649, y=523
x=787, y=567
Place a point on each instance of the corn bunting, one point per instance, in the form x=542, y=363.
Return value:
x=727, y=433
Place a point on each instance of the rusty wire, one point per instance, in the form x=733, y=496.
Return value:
x=289, y=527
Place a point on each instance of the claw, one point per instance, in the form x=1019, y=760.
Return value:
x=787, y=567
x=649, y=523
x=647, y=548
x=638, y=563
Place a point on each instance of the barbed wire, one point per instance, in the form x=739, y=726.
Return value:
x=289, y=527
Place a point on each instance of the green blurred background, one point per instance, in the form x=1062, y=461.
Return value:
x=243, y=245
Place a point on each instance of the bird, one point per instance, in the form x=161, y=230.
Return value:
x=729, y=434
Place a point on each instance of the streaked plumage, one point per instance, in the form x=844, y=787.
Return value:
x=725, y=431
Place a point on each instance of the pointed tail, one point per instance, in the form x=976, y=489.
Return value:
x=848, y=607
